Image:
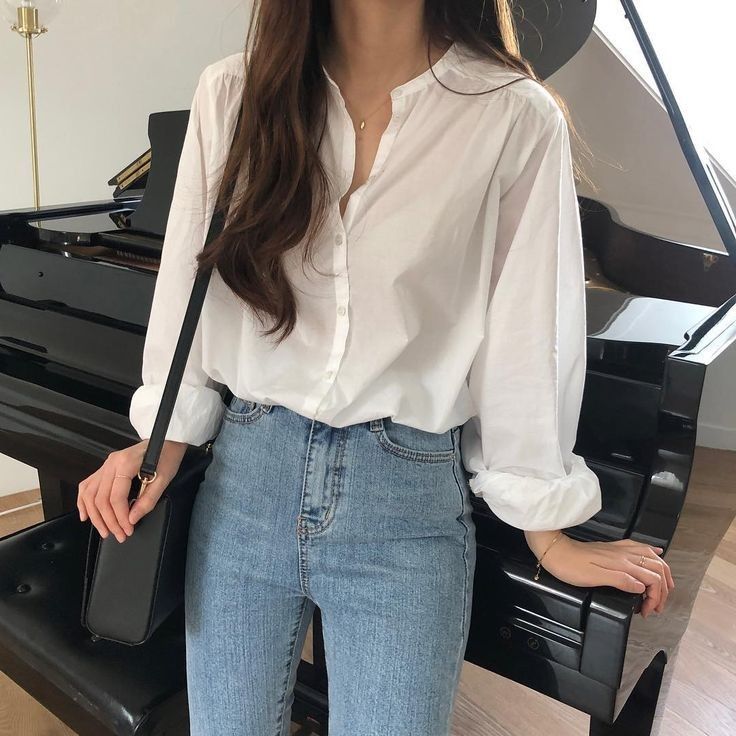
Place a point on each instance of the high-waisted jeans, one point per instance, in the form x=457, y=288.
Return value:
x=371, y=523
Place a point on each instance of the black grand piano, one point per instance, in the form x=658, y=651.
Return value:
x=76, y=284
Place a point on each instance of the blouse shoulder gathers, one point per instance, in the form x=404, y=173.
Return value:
x=451, y=292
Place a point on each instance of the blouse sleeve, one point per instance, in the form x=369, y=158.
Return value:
x=528, y=375
x=199, y=406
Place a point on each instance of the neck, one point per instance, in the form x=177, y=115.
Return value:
x=372, y=44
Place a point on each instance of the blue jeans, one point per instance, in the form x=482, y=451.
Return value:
x=372, y=523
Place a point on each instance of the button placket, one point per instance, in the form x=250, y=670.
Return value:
x=342, y=290
x=385, y=144
x=340, y=271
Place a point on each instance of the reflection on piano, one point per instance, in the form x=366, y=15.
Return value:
x=76, y=289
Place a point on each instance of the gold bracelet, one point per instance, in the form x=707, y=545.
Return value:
x=539, y=561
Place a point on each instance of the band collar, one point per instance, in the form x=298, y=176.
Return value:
x=446, y=61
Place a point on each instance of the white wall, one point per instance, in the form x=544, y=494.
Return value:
x=102, y=68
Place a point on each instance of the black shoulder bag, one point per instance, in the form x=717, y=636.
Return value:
x=130, y=588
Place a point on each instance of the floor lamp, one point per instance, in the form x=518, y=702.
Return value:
x=27, y=18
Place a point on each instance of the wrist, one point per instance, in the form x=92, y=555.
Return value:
x=539, y=541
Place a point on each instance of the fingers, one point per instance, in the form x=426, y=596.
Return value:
x=103, y=496
x=119, y=503
x=619, y=579
x=667, y=583
x=622, y=558
x=668, y=574
x=83, y=515
x=646, y=565
x=146, y=500
x=652, y=560
x=141, y=506
x=663, y=570
x=627, y=542
x=112, y=500
x=86, y=498
x=653, y=579
x=617, y=564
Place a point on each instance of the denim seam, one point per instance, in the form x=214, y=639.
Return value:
x=245, y=417
x=301, y=535
x=302, y=543
x=337, y=479
x=463, y=504
x=254, y=413
x=290, y=667
x=422, y=456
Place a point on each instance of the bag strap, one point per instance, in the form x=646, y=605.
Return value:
x=179, y=361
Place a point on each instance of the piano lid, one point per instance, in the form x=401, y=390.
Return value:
x=147, y=220
x=166, y=131
x=134, y=227
x=699, y=162
x=551, y=33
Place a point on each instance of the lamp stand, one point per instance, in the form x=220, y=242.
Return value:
x=28, y=27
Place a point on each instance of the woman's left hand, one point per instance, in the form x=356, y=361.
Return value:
x=588, y=564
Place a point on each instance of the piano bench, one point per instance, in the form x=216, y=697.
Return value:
x=96, y=687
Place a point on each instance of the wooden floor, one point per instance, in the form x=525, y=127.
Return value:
x=702, y=699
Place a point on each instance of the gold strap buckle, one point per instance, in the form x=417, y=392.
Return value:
x=145, y=481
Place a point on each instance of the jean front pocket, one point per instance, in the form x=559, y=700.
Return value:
x=245, y=410
x=411, y=443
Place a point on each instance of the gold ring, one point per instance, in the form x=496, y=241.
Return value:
x=641, y=561
x=124, y=476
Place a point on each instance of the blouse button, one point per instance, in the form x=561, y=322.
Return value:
x=328, y=374
x=338, y=239
x=341, y=311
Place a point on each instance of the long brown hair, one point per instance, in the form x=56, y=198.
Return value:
x=280, y=126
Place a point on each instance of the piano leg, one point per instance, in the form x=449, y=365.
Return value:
x=657, y=726
x=57, y=496
x=637, y=717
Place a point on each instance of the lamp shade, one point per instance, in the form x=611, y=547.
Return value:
x=47, y=9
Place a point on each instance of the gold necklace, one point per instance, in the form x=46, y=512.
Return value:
x=362, y=122
x=363, y=119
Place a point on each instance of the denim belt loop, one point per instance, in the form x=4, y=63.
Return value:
x=377, y=425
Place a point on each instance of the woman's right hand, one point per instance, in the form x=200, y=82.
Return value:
x=103, y=497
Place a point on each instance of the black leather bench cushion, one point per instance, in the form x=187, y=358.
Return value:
x=43, y=645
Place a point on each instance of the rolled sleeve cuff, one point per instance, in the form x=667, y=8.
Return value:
x=196, y=417
x=535, y=504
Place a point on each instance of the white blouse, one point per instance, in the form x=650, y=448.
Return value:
x=453, y=288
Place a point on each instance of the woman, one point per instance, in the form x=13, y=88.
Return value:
x=407, y=154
